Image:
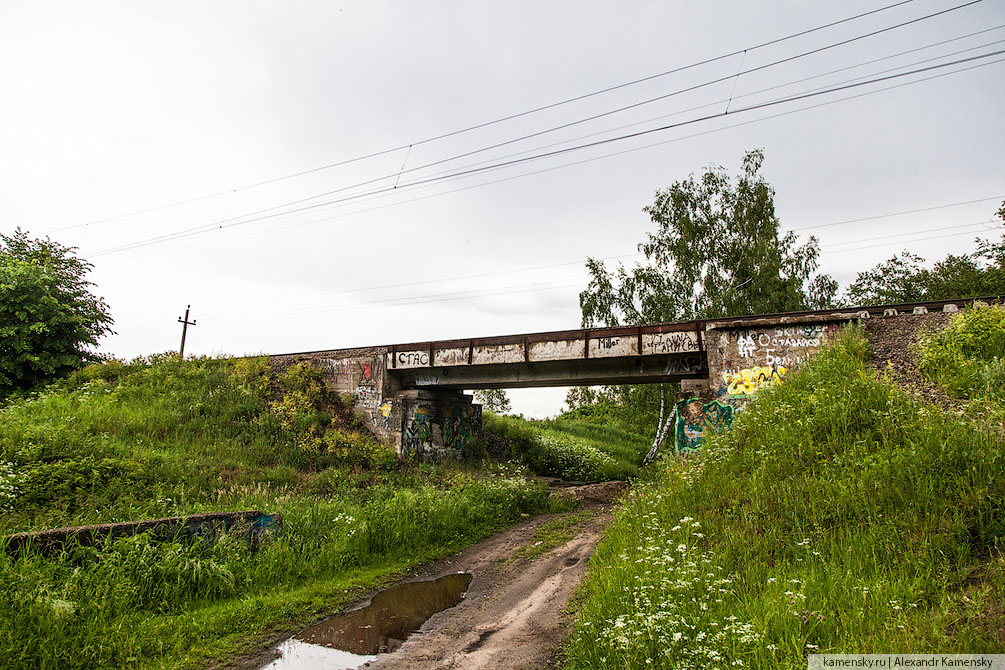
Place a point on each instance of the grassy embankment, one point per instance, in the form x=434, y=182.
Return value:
x=571, y=450
x=161, y=438
x=838, y=515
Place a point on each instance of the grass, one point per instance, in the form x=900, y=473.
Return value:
x=838, y=515
x=550, y=534
x=967, y=359
x=165, y=437
x=571, y=450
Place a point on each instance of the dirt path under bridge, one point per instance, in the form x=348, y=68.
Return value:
x=512, y=616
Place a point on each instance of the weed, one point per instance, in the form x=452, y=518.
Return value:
x=838, y=515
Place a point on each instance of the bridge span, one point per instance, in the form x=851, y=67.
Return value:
x=412, y=394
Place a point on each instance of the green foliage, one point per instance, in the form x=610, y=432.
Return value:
x=493, y=400
x=838, y=515
x=49, y=320
x=634, y=408
x=968, y=357
x=110, y=440
x=716, y=252
x=568, y=450
x=903, y=278
x=143, y=602
x=164, y=437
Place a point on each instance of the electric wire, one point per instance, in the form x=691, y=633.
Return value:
x=617, y=110
x=543, y=155
x=984, y=223
x=494, y=121
x=753, y=93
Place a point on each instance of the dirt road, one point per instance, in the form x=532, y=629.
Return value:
x=512, y=615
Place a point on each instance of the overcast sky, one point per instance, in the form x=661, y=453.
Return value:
x=112, y=108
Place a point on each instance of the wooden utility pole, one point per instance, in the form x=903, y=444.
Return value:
x=184, y=329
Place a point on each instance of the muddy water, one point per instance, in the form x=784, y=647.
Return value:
x=353, y=638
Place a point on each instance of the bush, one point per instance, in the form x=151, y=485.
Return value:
x=966, y=357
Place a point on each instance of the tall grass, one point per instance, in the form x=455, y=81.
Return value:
x=570, y=450
x=967, y=358
x=166, y=437
x=78, y=609
x=115, y=442
x=838, y=515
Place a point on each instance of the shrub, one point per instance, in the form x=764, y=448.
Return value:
x=966, y=357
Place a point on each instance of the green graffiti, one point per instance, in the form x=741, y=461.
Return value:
x=697, y=418
x=460, y=425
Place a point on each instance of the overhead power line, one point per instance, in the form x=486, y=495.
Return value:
x=496, y=121
x=568, y=282
x=906, y=211
x=594, y=117
x=549, y=154
x=983, y=223
x=886, y=244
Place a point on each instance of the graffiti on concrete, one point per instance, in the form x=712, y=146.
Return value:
x=336, y=367
x=345, y=372
x=460, y=425
x=607, y=342
x=426, y=380
x=748, y=381
x=384, y=413
x=789, y=346
x=685, y=365
x=673, y=343
x=418, y=435
x=367, y=396
x=697, y=418
x=412, y=358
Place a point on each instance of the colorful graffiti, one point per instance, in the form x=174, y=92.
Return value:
x=344, y=371
x=460, y=425
x=384, y=414
x=418, y=435
x=748, y=381
x=697, y=418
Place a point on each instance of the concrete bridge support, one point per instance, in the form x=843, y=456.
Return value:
x=437, y=423
x=417, y=423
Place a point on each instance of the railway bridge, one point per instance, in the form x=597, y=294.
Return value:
x=412, y=395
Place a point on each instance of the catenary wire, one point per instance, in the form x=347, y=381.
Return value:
x=504, y=164
x=711, y=82
x=485, y=124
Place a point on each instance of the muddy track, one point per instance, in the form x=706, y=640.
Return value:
x=513, y=614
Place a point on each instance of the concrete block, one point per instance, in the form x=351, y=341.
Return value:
x=694, y=387
x=950, y=308
x=863, y=314
x=890, y=311
x=921, y=309
x=252, y=525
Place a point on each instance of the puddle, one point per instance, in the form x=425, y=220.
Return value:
x=356, y=637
